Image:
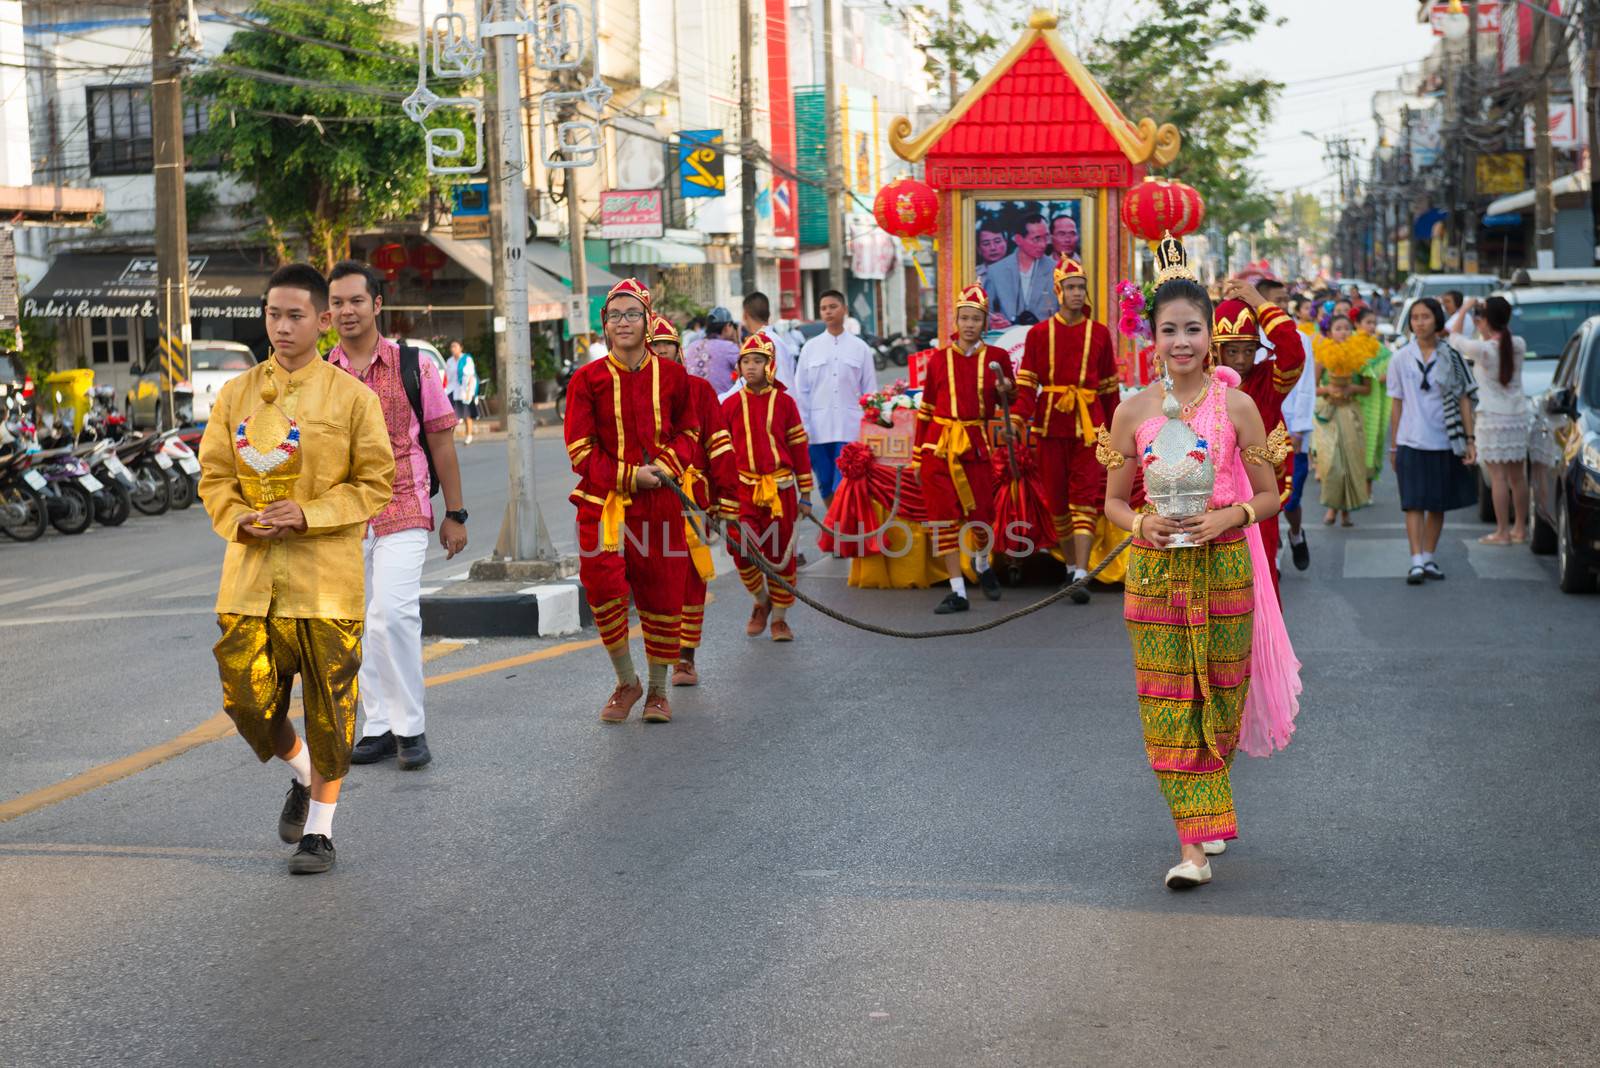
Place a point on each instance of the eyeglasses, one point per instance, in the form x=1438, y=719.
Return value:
x=632, y=316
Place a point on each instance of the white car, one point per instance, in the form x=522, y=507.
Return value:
x=211, y=364
x=428, y=352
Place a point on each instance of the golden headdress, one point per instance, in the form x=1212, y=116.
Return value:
x=1171, y=261
x=973, y=296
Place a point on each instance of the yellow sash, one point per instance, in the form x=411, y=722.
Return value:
x=612, y=514
x=1069, y=397
x=766, y=488
x=954, y=441
x=699, y=552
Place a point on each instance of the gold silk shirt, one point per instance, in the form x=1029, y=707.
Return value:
x=346, y=472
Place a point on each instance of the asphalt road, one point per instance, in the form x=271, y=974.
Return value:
x=849, y=850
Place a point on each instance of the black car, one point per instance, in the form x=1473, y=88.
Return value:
x=1564, y=463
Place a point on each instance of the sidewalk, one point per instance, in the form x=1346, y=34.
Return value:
x=493, y=428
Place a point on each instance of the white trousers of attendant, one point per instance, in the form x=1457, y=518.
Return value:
x=391, y=644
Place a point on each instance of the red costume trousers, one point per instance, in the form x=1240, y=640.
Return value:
x=647, y=566
x=759, y=532
x=694, y=608
x=942, y=501
x=1074, y=484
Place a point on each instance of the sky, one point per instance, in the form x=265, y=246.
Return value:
x=1324, y=55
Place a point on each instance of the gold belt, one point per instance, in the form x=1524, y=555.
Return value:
x=767, y=486
x=1080, y=397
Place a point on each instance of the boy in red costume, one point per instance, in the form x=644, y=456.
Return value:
x=959, y=395
x=771, y=454
x=1240, y=323
x=630, y=416
x=1068, y=387
x=711, y=481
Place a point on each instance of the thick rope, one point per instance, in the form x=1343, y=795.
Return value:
x=895, y=632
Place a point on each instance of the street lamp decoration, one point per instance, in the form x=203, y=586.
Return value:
x=1158, y=206
x=908, y=209
x=564, y=39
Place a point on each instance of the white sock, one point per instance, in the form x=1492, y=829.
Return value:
x=1297, y=540
x=958, y=585
x=1418, y=558
x=1078, y=573
x=1427, y=558
x=300, y=763
x=319, y=820
x=980, y=564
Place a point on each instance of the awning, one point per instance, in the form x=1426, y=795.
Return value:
x=654, y=251
x=546, y=301
x=1577, y=182
x=557, y=262
x=222, y=285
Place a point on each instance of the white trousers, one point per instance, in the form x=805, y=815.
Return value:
x=391, y=646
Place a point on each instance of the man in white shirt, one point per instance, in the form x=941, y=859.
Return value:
x=835, y=368
x=1298, y=419
x=757, y=320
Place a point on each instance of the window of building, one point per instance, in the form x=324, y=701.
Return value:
x=111, y=340
x=120, y=135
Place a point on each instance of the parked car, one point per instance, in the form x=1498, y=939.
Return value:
x=1564, y=463
x=1545, y=317
x=427, y=350
x=1434, y=285
x=211, y=364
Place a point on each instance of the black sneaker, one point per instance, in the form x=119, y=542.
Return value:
x=373, y=749
x=1079, y=593
x=953, y=602
x=314, y=856
x=990, y=583
x=292, y=820
x=412, y=752
x=1301, y=552
x=1431, y=570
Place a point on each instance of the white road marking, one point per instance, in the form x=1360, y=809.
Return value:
x=82, y=617
x=33, y=593
x=150, y=581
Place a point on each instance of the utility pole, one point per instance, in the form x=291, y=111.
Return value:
x=522, y=533
x=172, y=227
x=1544, y=203
x=747, y=150
x=950, y=28
x=1469, y=164
x=830, y=103
x=1591, y=67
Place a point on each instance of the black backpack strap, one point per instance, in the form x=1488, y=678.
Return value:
x=411, y=377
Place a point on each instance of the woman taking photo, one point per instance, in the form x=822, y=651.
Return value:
x=1430, y=430
x=1503, y=415
x=1202, y=630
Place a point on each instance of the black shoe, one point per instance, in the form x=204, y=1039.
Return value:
x=1431, y=570
x=1079, y=593
x=314, y=856
x=1301, y=551
x=1414, y=577
x=373, y=749
x=413, y=752
x=953, y=602
x=990, y=583
x=292, y=820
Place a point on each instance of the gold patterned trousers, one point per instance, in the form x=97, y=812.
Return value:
x=258, y=658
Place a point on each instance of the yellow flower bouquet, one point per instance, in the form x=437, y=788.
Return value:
x=1345, y=358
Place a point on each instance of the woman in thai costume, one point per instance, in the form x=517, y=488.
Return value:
x=1374, y=405
x=1339, y=441
x=1212, y=665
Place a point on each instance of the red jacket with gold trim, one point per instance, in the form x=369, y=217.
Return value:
x=717, y=478
x=1270, y=381
x=768, y=438
x=619, y=420
x=972, y=403
x=1067, y=384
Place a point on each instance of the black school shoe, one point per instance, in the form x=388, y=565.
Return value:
x=1300, y=551
x=1079, y=594
x=412, y=752
x=314, y=856
x=1431, y=570
x=953, y=602
x=373, y=749
x=990, y=582
x=292, y=820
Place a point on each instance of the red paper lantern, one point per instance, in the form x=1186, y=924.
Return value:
x=389, y=259
x=1157, y=206
x=907, y=208
x=427, y=259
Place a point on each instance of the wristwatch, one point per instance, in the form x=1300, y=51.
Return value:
x=459, y=515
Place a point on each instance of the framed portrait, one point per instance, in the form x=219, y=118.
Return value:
x=1017, y=242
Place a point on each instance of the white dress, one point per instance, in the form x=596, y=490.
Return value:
x=1503, y=415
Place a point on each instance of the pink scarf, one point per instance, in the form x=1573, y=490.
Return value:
x=1273, y=700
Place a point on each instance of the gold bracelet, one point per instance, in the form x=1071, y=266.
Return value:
x=1138, y=518
x=1249, y=514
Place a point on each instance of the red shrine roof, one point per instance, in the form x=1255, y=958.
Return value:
x=1038, y=107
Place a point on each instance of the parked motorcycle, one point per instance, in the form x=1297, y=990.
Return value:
x=23, y=513
x=69, y=490
x=183, y=477
x=113, y=503
x=151, y=492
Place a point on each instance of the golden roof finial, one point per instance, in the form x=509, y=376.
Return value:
x=1042, y=19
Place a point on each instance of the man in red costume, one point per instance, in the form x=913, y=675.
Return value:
x=1240, y=323
x=711, y=481
x=1067, y=385
x=773, y=458
x=630, y=417
x=959, y=396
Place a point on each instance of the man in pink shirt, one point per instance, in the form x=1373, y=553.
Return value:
x=390, y=682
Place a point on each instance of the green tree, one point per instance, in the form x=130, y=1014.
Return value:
x=957, y=37
x=319, y=134
x=1168, y=65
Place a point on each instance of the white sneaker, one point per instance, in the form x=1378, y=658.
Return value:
x=1187, y=875
x=1215, y=848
